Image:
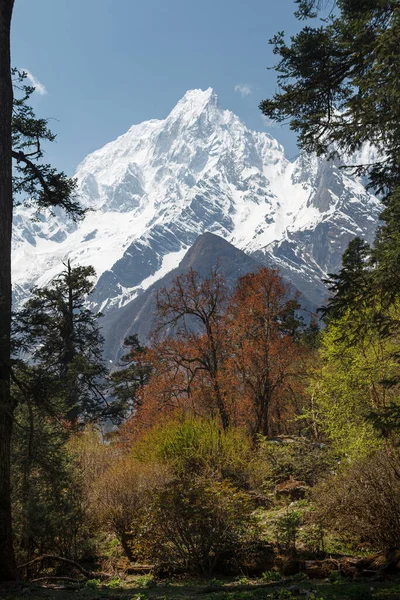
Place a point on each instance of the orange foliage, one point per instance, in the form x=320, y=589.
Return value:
x=266, y=358
x=237, y=357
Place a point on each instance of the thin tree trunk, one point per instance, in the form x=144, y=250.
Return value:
x=7, y=561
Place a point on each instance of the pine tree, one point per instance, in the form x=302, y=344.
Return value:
x=58, y=380
x=340, y=83
x=46, y=492
x=349, y=287
x=130, y=379
x=340, y=89
x=63, y=341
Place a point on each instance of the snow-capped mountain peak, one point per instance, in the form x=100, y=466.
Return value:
x=164, y=182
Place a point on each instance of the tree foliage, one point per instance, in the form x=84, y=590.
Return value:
x=33, y=180
x=238, y=356
x=21, y=136
x=63, y=341
x=266, y=358
x=340, y=88
x=339, y=84
x=129, y=380
x=195, y=308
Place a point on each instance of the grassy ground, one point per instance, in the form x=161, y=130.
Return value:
x=244, y=589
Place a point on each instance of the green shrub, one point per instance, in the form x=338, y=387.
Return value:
x=92, y=583
x=115, y=582
x=314, y=538
x=196, y=525
x=336, y=577
x=283, y=594
x=146, y=581
x=270, y=576
x=286, y=531
x=299, y=459
x=198, y=447
x=120, y=497
x=214, y=584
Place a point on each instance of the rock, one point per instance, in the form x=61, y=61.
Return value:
x=295, y=490
x=320, y=569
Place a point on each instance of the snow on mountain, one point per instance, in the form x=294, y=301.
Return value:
x=159, y=186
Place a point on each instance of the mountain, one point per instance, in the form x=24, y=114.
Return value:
x=159, y=186
x=209, y=251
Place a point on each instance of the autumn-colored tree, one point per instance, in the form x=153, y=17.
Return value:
x=238, y=357
x=191, y=366
x=266, y=356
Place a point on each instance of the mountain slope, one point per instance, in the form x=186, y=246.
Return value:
x=209, y=251
x=158, y=187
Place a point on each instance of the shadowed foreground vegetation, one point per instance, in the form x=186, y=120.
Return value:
x=238, y=589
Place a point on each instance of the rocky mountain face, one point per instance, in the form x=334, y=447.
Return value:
x=157, y=188
x=208, y=252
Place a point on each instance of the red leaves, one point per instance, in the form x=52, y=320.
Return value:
x=236, y=357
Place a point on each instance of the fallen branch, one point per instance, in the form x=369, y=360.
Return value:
x=135, y=568
x=87, y=574
x=54, y=578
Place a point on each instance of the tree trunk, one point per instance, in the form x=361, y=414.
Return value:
x=7, y=561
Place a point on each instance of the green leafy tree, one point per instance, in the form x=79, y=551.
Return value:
x=351, y=384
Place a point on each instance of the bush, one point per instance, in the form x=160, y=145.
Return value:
x=146, y=581
x=198, y=525
x=299, y=459
x=198, y=447
x=178, y=499
x=314, y=538
x=361, y=502
x=120, y=499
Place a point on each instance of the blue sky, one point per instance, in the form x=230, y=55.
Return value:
x=107, y=64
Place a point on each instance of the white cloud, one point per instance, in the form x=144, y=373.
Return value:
x=33, y=81
x=244, y=89
x=270, y=123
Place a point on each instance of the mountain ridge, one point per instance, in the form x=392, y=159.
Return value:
x=164, y=182
x=137, y=317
